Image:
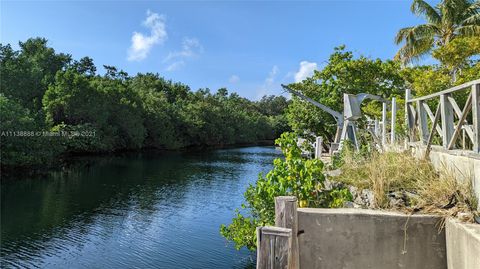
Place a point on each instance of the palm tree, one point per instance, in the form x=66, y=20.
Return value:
x=446, y=21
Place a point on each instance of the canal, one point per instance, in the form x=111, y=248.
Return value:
x=149, y=210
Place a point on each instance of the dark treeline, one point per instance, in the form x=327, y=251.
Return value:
x=51, y=105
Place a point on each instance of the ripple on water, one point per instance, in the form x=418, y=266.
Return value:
x=141, y=211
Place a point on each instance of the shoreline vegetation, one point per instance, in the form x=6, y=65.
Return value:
x=450, y=36
x=53, y=106
x=55, y=110
x=63, y=163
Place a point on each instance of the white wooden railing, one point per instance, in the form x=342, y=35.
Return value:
x=448, y=121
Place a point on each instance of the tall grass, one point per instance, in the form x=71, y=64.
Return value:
x=388, y=172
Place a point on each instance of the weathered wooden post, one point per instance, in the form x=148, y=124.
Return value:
x=430, y=136
x=422, y=122
x=286, y=217
x=318, y=147
x=476, y=117
x=384, y=124
x=462, y=119
x=394, y=119
x=447, y=119
x=408, y=116
x=273, y=247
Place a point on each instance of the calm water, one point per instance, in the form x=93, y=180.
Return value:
x=141, y=211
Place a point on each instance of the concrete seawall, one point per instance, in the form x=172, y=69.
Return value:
x=464, y=165
x=358, y=238
x=463, y=245
x=348, y=238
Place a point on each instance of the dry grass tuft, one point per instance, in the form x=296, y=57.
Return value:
x=432, y=192
x=447, y=196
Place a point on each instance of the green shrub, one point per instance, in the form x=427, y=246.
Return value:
x=22, y=142
x=292, y=176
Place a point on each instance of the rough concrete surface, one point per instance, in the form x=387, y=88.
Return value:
x=464, y=165
x=463, y=245
x=369, y=239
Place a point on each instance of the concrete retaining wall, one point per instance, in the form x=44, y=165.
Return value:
x=361, y=239
x=463, y=245
x=464, y=165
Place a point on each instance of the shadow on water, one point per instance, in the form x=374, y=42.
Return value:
x=144, y=210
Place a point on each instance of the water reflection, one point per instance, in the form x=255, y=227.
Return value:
x=136, y=211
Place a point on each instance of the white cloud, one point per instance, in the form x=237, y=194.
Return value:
x=175, y=66
x=269, y=83
x=234, y=79
x=190, y=47
x=306, y=70
x=271, y=76
x=141, y=43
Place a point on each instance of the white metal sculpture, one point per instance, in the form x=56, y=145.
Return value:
x=346, y=121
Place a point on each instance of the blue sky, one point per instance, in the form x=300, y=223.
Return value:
x=249, y=47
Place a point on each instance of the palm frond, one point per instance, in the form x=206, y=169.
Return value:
x=422, y=8
x=472, y=20
x=473, y=8
x=425, y=30
x=469, y=30
x=472, y=14
x=454, y=11
x=403, y=34
x=415, y=50
x=410, y=34
x=447, y=20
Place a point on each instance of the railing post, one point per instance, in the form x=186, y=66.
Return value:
x=422, y=122
x=394, y=120
x=476, y=116
x=286, y=217
x=447, y=119
x=408, y=116
x=413, y=113
x=318, y=147
x=384, y=124
x=273, y=247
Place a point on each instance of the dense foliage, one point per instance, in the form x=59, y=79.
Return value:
x=445, y=22
x=342, y=74
x=459, y=63
x=52, y=104
x=293, y=175
x=451, y=34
